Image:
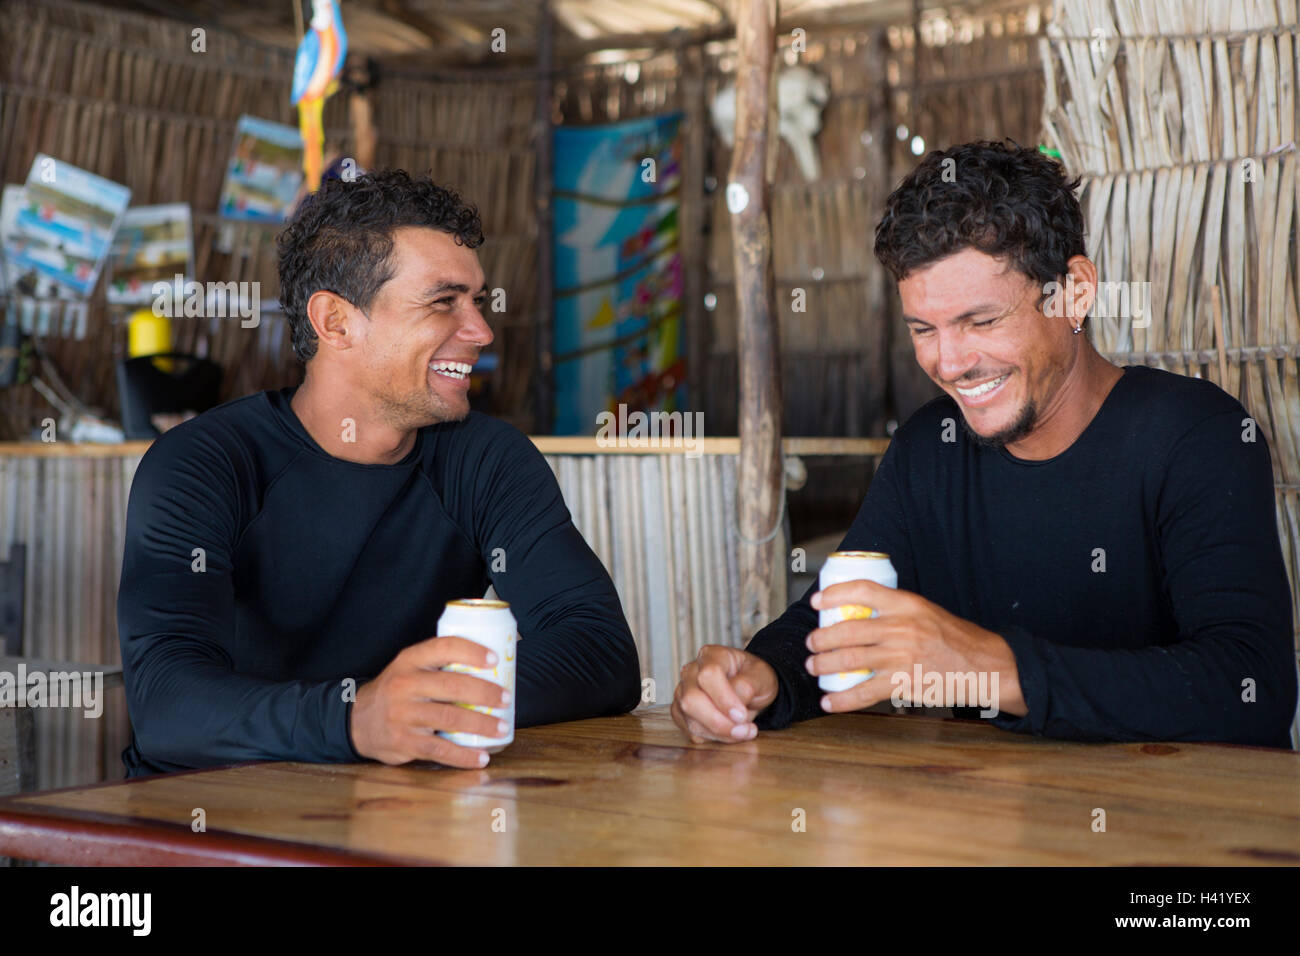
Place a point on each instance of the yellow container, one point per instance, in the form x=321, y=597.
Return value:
x=149, y=334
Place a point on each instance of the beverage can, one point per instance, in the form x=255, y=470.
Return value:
x=491, y=624
x=844, y=566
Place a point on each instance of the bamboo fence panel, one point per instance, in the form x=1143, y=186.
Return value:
x=663, y=525
x=1180, y=119
x=70, y=512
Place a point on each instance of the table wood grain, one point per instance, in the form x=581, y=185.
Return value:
x=870, y=789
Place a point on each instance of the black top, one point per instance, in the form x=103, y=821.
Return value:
x=319, y=569
x=1185, y=634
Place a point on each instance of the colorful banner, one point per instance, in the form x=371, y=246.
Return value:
x=618, y=271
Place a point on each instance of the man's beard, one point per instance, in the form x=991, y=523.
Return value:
x=1017, y=430
x=417, y=410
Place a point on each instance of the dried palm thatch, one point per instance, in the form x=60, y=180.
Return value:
x=1181, y=119
x=71, y=513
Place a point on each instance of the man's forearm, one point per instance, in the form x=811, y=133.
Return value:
x=1216, y=688
x=575, y=671
x=781, y=645
x=191, y=713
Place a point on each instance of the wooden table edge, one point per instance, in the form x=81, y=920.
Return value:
x=92, y=838
x=88, y=838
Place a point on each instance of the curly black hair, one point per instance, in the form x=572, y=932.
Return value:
x=1003, y=199
x=342, y=235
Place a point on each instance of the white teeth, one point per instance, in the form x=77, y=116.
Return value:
x=982, y=389
x=453, y=369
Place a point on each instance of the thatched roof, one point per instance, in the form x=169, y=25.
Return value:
x=444, y=32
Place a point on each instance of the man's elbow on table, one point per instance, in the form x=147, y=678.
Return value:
x=599, y=675
x=621, y=691
x=1260, y=698
x=155, y=738
x=624, y=686
x=164, y=745
x=629, y=681
x=1265, y=726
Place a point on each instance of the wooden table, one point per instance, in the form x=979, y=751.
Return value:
x=868, y=788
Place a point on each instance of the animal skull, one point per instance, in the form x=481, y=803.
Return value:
x=801, y=95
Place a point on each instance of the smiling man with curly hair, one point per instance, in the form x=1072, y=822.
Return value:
x=1097, y=543
x=291, y=546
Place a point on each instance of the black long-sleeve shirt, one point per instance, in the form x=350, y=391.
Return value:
x=1185, y=634
x=317, y=569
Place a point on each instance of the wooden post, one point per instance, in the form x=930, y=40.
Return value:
x=760, y=487
x=365, y=137
x=906, y=381
x=545, y=344
x=882, y=121
x=694, y=212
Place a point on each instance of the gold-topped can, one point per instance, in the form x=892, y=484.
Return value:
x=844, y=566
x=491, y=624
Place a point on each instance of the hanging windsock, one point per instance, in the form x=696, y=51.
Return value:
x=315, y=78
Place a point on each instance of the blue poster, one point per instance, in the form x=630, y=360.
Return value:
x=618, y=271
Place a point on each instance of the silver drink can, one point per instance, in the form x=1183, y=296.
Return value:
x=491, y=624
x=844, y=566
